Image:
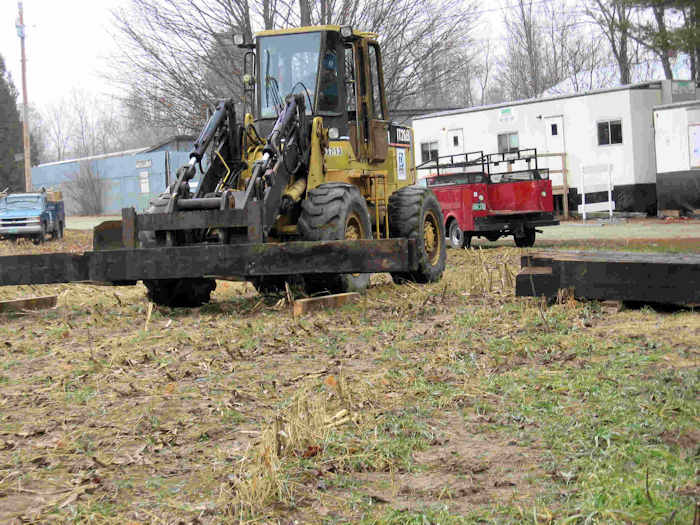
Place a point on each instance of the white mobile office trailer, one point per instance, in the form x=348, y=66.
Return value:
x=606, y=127
x=677, y=130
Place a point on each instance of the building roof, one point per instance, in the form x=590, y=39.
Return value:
x=683, y=104
x=95, y=157
x=174, y=138
x=121, y=153
x=641, y=85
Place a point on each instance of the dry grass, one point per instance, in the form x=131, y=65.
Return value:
x=451, y=402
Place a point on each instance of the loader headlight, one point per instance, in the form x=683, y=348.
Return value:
x=238, y=39
x=346, y=32
x=333, y=133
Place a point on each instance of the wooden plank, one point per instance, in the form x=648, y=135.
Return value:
x=596, y=206
x=536, y=281
x=312, y=304
x=32, y=303
x=597, y=188
x=129, y=228
x=247, y=260
x=621, y=276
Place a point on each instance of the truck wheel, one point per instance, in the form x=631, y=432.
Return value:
x=456, y=235
x=330, y=212
x=414, y=213
x=58, y=232
x=526, y=239
x=41, y=236
x=173, y=292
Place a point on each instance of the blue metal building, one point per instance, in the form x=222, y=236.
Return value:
x=129, y=178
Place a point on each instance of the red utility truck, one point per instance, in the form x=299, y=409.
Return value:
x=491, y=195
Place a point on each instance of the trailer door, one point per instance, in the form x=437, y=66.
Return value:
x=554, y=133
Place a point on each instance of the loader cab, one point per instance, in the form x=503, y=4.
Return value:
x=339, y=72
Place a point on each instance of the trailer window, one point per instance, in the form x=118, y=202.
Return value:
x=508, y=142
x=609, y=132
x=428, y=151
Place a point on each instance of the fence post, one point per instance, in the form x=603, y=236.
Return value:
x=583, y=195
x=610, y=201
x=565, y=179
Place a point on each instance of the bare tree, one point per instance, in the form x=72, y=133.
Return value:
x=613, y=19
x=57, y=125
x=84, y=190
x=178, y=54
x=548, y=50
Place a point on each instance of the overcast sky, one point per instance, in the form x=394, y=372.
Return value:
x=67, y=43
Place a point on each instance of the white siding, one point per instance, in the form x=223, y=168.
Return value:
x=580, y=118
x=673, y=137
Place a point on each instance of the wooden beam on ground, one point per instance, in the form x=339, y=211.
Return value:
x=666, y=278
x=33, y=303
x=312, y=304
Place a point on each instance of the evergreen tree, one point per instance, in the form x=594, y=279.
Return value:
x=668, y=27
x=11, y=171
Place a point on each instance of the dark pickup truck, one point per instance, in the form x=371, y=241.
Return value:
x=32, y=215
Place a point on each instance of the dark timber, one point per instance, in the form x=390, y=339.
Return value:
x=211, y=260
x=663, y=278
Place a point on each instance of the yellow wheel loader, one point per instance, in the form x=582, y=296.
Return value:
x=313, y=186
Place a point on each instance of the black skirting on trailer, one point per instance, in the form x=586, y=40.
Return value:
x=679, y=190
x=666, y=278
x=640, y=198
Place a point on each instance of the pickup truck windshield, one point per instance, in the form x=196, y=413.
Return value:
x=288, y=64
x=17, y=203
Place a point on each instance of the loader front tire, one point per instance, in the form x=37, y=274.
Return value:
x=173, y=292
x=415, y=213
x=330, y=212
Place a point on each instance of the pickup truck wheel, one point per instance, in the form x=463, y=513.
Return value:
x=41, y=236
x=58, y=232
x=330, y=212
x=526, y=239
x=173, y=292
x=415, y=213
x=456, y=235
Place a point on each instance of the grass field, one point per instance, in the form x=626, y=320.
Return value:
x=453, y=402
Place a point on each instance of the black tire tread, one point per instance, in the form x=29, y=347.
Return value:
x=406, y=207
x=173, y=292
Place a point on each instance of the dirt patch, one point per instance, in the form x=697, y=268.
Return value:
x=684, y=440
x=464, y=470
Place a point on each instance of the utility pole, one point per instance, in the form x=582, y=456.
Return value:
x=25, y=117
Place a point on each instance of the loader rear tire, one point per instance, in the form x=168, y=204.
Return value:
x=335, y=211
x=415, y=213
x=275, y=284
x=173, y=292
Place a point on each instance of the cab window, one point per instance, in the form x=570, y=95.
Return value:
x=329, y=80
x=374, y=78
